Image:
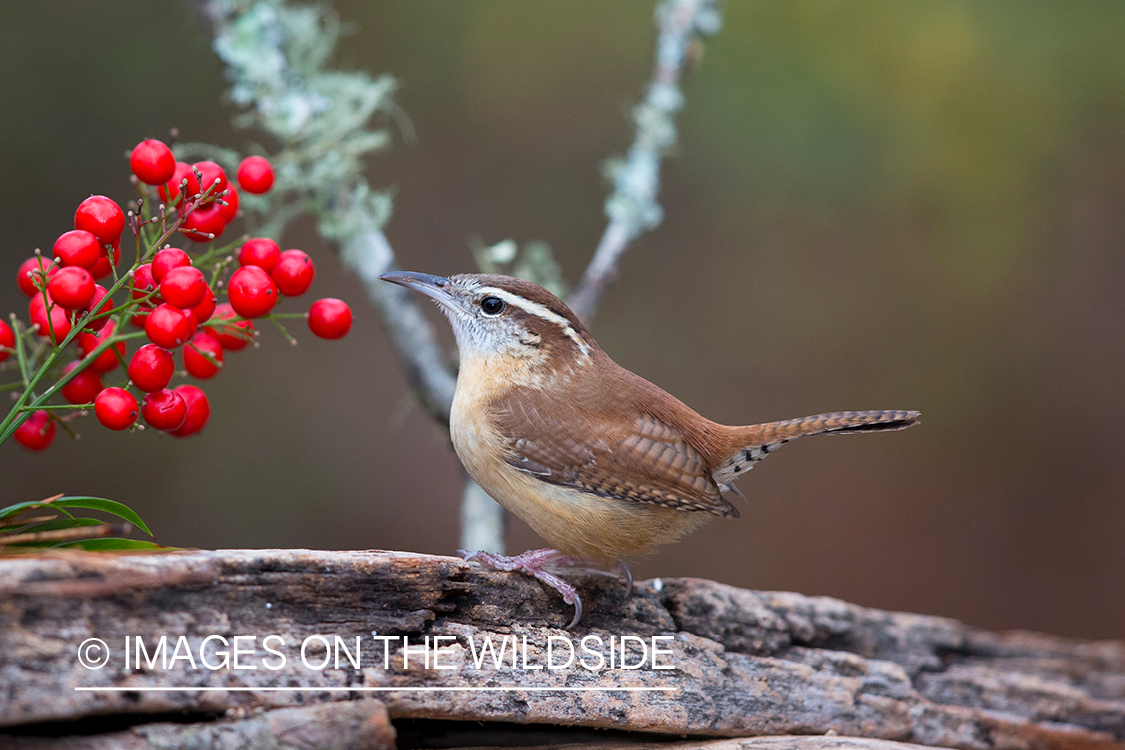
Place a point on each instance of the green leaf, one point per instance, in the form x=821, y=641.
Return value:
x=11, y=510
x=106, y=506
x=112, y=543
x=58, y=523
x=19, y=546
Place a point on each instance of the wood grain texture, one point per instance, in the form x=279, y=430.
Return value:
x=355, y=725
x=746, y=663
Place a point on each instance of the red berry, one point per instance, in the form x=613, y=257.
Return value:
x=59, y=320
x=116, y=408
x=261, y=252
x=330, y=318
x=170, y=192
x=101, y=217
x=144, y=283
x=169, y=326
x=183, y=286
x=7, y=341
x=294, y=273
x=229, y=211
x=28, y=277
x=151, y=368
x=99, y=305
x=206, y=308
x=139, y=319
x=203, y=356
x=77, y=248
x=37, y=432
x=72, y=287
x=198, y=410
x=152, y=162
x=107, y=360
x=255, y=174
x=252, y=292
x=83, y=387
x=233, y=336
x=104, y=266
x=167, y=259
x=212, y=173
x=164, y=410
x=204, y=221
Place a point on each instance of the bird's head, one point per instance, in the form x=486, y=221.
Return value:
x=496, y=315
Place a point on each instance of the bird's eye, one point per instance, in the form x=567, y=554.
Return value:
x=491, y=305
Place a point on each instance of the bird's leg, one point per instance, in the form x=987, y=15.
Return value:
x=623, y=570
x=619, y=568
x=532, y=563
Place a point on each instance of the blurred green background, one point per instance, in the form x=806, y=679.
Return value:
x=872, y=205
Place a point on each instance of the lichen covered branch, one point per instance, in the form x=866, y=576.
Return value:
x=632, y=207
x=277, y=57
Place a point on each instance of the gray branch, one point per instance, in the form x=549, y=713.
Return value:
x=632, y=207
x=277, y=58
x=370, y=255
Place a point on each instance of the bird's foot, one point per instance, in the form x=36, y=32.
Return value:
x=532, y=563
x=623, y=570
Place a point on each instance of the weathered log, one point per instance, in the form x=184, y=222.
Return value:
x=742, y=662
x=355, y=725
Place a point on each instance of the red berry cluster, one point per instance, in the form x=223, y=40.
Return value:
x=168, y=293
x=154, y=164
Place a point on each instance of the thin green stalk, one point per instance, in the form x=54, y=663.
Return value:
x=213, y=252
x=47, y=305
x=58, y=407
x=21, y=352
x=15, y=418
x=17, y=415
x=221, y=266
x=121, y=359
x=126, y=305
x=284, y=332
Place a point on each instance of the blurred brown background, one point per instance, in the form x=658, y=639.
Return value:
x=872, y=205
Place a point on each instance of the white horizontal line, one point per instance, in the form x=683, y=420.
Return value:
x=337, y=689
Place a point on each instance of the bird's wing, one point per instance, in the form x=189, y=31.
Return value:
x=632, y=456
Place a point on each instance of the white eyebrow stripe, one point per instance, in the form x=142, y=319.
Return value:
x=541, y=311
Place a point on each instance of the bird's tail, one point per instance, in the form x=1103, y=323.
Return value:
x=745, y=446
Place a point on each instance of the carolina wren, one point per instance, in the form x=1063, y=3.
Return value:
x=598, y=461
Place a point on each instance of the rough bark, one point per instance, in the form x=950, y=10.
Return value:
x=744, y=662
x=356, y=725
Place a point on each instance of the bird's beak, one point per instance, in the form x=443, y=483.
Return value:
x=428, y=284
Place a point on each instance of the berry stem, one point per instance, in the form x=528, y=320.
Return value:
x=121, y=359
x=18, y=414
x=48, y=306
x=124, y=306
x=63, y=424
x=21, y=353
x=59, y=407
x=112, y=265
x=214, y=252
x=288, y=336
x=20, y=411
x=218, y=271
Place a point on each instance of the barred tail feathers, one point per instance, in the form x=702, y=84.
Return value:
x=748, y=445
